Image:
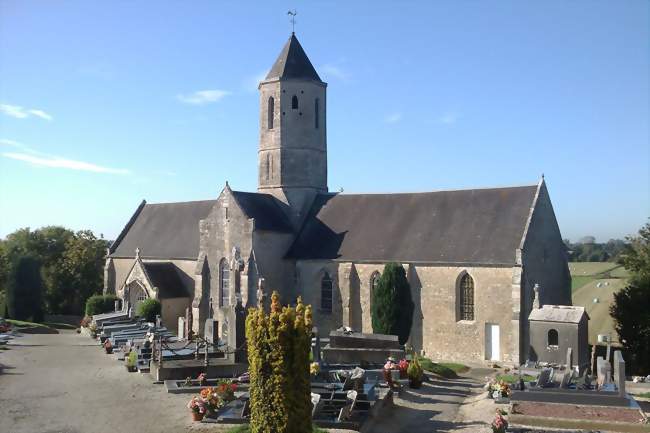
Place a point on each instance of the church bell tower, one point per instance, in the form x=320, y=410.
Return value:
x=293, y=140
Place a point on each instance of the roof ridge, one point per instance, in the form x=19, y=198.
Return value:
x=432, y=191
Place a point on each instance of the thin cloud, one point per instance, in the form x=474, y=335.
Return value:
x=330, y=70
x=40, y=159
x=18, y=112
x=393, y=118
x=449, y=118
x=203, y=97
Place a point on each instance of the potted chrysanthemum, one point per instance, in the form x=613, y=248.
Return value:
x=415, y=372
x=198, y=408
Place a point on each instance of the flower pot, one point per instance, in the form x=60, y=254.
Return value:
x=131, y=368
x=197, y=416
x=415, y=383
x=109, y=350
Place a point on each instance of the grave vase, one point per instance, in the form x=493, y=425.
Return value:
x=197, y=416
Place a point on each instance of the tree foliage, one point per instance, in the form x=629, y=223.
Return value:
x=631, y=313
x=71, y=264
x=149, y=309
x=587, y=250
x=279, y=345
x=631, y=307
x=392, y=304
x=636, y=256
x=25, y=289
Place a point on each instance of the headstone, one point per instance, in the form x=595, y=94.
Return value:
x=569, y=358
x=158, y=321
x=619, y=372
x=603, y=371
x=181, y=328
x=543, y=377
x=609, y=350
x=117, y=305
x=210, y=332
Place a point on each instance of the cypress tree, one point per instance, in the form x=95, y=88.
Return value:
x=25, y=289
x=392, y=305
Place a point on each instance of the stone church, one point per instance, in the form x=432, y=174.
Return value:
x=472, y=256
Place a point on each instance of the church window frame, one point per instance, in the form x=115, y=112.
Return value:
x=294, y=102
x=465, y=291
x=270, y=112
x=224, y=283
x=326, y=293
x=553, y=338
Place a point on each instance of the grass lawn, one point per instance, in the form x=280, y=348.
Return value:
x=60, y=325
x=448, y=370
x=643, y=395
x=23, y=324
x=591, y=268
x=245, y=428
x=512, y=378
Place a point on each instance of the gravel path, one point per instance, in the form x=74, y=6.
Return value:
x=63, y=383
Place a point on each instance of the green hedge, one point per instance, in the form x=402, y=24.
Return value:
x=149, y=309
x=99, y=304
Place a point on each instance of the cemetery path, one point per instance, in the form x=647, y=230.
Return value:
x=435, y=407
x=64, y=383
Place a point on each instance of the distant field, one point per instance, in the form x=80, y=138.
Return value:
x=585, y=279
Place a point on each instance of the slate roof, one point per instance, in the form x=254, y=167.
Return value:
x=477, y=226
x=163, y=230
x=265, y=209
x=164, y=275
x=558, y=313
x=293, y=63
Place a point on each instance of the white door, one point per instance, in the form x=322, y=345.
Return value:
x=492, y=344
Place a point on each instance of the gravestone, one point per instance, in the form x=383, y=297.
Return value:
x=619, y=372
x=603, y=371
x=181, y=328
x=210, y=332
x=569, y=358
x=117, y=305
x=158, y=321
x=544, y=376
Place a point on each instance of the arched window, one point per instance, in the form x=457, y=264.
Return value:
x=553, y=337
x=326, y=293
x=316, y=114
x=294, y=102
x=466, y=297
x=224, y=283
x=270, y=112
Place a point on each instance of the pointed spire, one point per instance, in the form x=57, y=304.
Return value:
x=293, y=63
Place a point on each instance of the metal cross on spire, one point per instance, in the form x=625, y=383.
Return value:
x=293, y=20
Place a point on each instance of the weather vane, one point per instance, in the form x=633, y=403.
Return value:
x=293, y=20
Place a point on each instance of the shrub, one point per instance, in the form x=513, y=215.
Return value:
x=278, y=354
x=99, y=304
x=149, y=309
x=131, y=359
x=392, y=307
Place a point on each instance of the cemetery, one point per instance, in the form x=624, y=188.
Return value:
x=354, y=376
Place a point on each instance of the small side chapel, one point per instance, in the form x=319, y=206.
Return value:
x=472, y=256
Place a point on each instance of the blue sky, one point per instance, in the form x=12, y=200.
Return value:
x=106, y=103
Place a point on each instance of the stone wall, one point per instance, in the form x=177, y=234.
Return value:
x=544, y=262
x=436, y=330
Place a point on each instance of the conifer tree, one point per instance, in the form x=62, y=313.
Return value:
x=392, y=304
